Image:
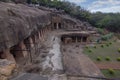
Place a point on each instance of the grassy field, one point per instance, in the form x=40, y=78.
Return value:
x=108, y=75
x=103, y=51
x=107, y=50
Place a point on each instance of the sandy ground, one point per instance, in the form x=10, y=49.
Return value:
x=77, y=64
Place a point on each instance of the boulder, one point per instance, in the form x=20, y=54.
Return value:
x=6, y=68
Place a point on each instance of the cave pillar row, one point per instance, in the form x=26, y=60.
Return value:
x=8, y=55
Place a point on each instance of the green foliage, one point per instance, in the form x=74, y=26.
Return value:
x=111, y=71
x=68, y=7
x=95, y=47
x=107, y=58
x=110, y=43
x=89, y=50
x=86, y=47
x=102, y=46
x=98, y=59
x=107, y=36
x=118, y=59
x=119, y=50
x=110, y=21
x=100, y=30
x=107, y=45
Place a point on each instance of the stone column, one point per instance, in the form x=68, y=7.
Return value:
x=42, y=33
x=81, y=39
x=23, y=49
x=57, y=25
x=65, y=40
x=35, y=38
x=76, y=40
x=87, y=39
x=39, y=35
x=8, y=55
x=31, y=42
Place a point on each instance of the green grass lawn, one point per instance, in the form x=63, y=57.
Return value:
x=108, y=75
x=103, y=52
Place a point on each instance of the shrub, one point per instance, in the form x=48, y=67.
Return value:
x=107, y=58
x=98, y=59
x=107, y=45
x=95, y=47
x=90, y=50
x=118, y=59
x=87, y=47
x=111, y=71
x=115, y=40
x=119, y=50
x=110, y=43
x=102, y=46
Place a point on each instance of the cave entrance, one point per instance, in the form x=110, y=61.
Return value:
x=74, y=38
x=55, y=25
x=59, y=25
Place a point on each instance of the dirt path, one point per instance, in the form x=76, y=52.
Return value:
x=76, y=63
x=115, y=65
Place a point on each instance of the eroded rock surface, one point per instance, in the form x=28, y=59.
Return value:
x=6, y=68
x=18, y=21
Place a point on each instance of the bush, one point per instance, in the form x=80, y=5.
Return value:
x=107, y=45
x=86, y=47
x=95, y=47
x=118, y=59
x=90, y=50
x=98, y=59
x=102, y=46
x=111, y=71
x=107, y=58
x=110, y=43
x=119, y=50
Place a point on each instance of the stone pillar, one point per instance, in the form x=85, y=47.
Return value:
x=81, y=39
x=57, y=25
x=8, y=55
x=23, y=49
x=31, y=42
x=65, y=41
x=39, y=35
x=42, y=34
x=76, y=40
x=36, y=39
x=87, y=39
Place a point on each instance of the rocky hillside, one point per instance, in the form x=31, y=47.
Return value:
x=18, y=21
